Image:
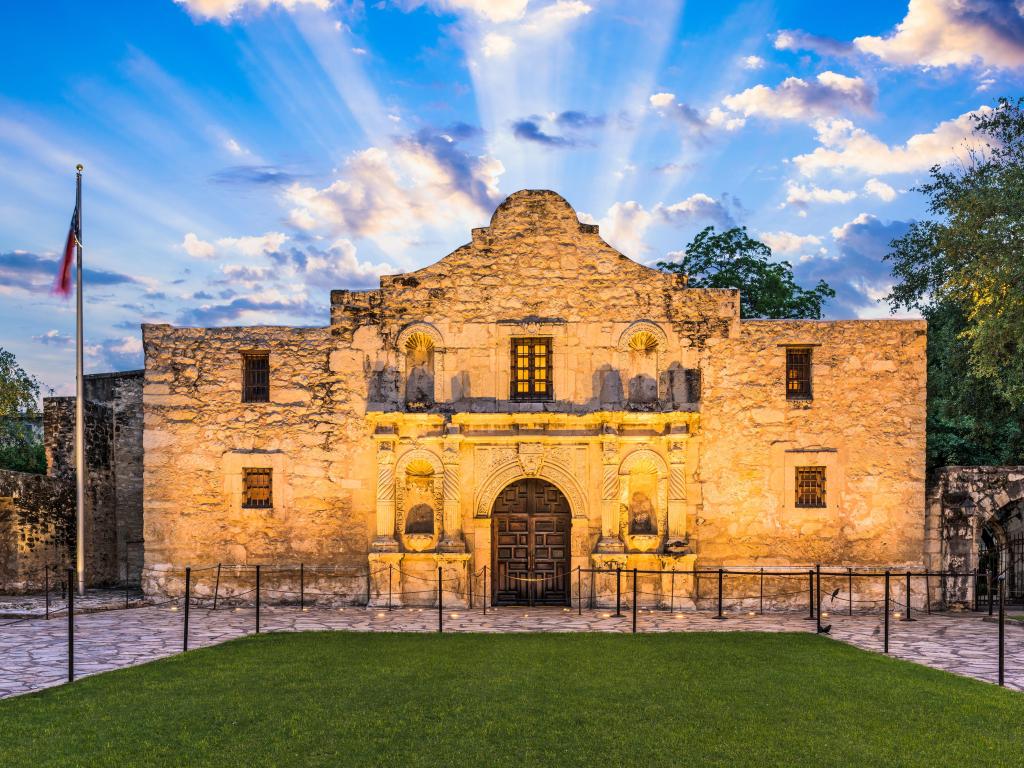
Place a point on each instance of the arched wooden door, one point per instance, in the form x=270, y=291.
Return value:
x=530, y=532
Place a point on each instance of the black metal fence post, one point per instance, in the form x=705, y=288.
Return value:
x=216, y=588
x=486, y=592
x=721, y=579
x=579, y=590
x=46, y=588
x=886, y=610
x=1002, y=631
x=257, y=599
x=988, y=588
x=440, y=602
x=634, y=601
x=71, y=625
x=810, y=595
x=977, y=579
x=817, y=595
x=126, y=576
x=188, y=596
x=849, y=588
x=302, y=586
x=618, y=591
x=469, y=578
x=672, y=596
x=907, y=616
x=760, y=595
x=927, y=593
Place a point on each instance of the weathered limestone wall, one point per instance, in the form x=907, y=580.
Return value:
x=865, y=424
x=40, y=510
x=199, y=436
x=659, y=389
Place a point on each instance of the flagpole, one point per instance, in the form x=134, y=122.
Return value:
x=79, y=396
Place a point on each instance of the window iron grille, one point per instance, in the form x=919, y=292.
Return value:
x=531, y=369
x=256, y=377
x=257, y=489
x=810, y=486
x=798, y=373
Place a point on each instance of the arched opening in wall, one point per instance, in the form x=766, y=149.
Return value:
x=419, y=504
x=531, y=525
x=643, y=369
x=1001, y=552
x=419, y=371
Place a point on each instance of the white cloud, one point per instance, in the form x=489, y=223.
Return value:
x=697, y=207
x=550, y=17
x=224, y=10
x=752, y=62
x=495, y=45
x=843, y=231
x=718, y=117
x=625, y=225
x=389, y=195
x=846, y=147
x=663, y=99
x=880, y=189
x=196, y=248
x=799, y=195
x=236, y=149
x=250, y=246
x=791, y=243
x=795, y=99
x=941, y=33
x=490, y=10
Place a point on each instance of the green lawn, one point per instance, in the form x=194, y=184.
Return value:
x=598, y=700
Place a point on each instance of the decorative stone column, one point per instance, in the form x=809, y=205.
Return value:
x=610, y=541
x=385, y=540
x=451, y=538
x=677, y=532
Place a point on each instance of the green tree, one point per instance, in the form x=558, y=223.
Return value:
x=970, y=254
x=20, y=446
x=733, y=259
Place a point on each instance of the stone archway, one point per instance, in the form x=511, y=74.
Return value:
x=966, y=505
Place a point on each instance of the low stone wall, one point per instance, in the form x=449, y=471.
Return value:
x=36, y=528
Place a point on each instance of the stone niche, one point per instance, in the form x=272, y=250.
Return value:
x=643, y=501
x=419, y=500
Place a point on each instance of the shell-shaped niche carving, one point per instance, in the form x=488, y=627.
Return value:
x=419, y=501
x=644, y=342
x=419, y=348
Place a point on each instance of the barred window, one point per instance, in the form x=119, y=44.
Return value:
x=256, y=377
x=798, y=373
x=810, y=486
x=257, y=488
x=531, y=369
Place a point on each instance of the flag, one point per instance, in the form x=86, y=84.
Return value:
x=63, y=284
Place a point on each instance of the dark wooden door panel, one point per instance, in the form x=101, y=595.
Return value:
x=531, y=526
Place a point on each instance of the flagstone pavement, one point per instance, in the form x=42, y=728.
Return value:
x=33, y=652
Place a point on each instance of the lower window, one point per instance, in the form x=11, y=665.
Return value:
x=810, y=486
x=257, y=488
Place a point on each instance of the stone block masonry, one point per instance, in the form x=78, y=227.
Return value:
x=37, y=512
x=532, y=403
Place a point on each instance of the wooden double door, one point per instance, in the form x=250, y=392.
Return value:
x=531, y=545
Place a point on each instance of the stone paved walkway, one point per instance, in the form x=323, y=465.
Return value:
x=33, y=653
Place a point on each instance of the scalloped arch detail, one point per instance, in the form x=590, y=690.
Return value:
x=646, y=332
x=412, y=330
x=509, y=472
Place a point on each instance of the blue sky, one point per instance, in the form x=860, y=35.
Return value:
x=243, y=157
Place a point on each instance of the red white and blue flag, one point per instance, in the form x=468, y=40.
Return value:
x=63, y=284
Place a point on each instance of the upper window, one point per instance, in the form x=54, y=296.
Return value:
x=256, y=377
x=810, y=486
x=798, y=373
x=531, y=369
x=257, y=488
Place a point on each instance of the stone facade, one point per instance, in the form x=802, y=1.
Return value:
x=391, y=433
x=37, y=512
x=969, y=510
